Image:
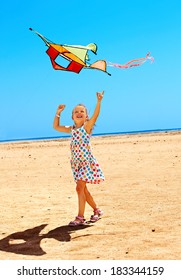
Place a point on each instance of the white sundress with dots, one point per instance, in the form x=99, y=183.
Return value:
x=84, y=165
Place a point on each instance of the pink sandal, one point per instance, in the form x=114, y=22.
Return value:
x=97, y=214
x=79, y=221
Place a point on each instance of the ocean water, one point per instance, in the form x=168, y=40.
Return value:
x=96, y=134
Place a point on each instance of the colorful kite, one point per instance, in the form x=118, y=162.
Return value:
x=78, y=57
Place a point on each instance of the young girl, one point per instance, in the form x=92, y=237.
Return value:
x=85, y=168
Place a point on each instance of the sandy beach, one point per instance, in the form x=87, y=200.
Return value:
x=141, y=200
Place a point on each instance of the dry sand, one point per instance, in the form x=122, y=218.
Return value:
x=141, y=198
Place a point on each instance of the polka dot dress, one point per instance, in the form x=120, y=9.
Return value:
x=84, y=165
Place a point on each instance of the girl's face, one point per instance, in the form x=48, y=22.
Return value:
x=79, y=115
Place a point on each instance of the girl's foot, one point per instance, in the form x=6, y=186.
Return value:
x=97, y=214
x=79, y=221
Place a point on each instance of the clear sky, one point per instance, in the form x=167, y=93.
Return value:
x=141, y=98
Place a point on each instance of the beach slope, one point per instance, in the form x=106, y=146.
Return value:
x=141, y=199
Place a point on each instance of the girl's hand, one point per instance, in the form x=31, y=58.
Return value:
x=60, y=108
x=100, y=95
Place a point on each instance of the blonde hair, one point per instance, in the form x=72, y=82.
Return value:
x=82, y=105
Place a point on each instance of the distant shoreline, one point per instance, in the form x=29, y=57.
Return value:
x=93, y=135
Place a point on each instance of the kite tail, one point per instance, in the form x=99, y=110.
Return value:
x=133, y=62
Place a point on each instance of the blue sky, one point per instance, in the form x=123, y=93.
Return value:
x=141, y=98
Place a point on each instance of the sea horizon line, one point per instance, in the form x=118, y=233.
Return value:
x=94, y=134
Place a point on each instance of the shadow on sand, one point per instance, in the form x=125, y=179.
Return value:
x=28, y=242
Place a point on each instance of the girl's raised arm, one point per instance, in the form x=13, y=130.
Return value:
x=90, y=123
x=56, y=122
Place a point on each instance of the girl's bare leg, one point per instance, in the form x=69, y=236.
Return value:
x=80, y=188
x=89, y=198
